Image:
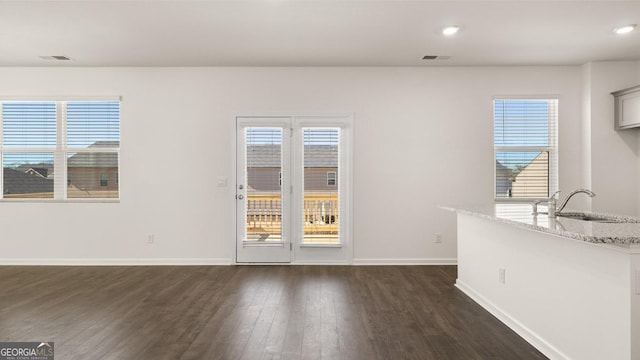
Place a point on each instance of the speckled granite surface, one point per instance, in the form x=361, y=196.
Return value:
x=626, y=232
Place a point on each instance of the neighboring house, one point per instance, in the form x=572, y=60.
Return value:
x=44, y=169
x=90, y=173
x=42, y=172
x=93, y=171
x=533, y=179
x=504, y=178
x=320, y=168
x=320, y=184
x=18, y=183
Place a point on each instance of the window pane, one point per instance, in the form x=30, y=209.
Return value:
x=321, y=185
x=27, y=175
x=264, y=190
x=93, y=124
x=523, y=174
x=28, y=124
x=92, y=175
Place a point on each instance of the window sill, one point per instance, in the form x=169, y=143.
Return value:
x=320, y=245
x=77, y=201
x=519, y=200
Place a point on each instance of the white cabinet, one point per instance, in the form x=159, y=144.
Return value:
x=627, y=105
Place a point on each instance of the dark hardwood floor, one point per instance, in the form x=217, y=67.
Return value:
x=251, y=312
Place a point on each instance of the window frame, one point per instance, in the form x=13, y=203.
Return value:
x=552, y=148
x=61, y=150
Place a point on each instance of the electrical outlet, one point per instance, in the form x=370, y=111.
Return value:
x=501, y=275
x=438, y=238
x=151, y=239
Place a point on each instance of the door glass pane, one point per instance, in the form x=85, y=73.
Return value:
x=321, y=206
x=264, y=185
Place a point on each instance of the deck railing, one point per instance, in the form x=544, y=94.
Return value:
x=320, y=214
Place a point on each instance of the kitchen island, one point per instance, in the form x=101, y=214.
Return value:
x=570, y=287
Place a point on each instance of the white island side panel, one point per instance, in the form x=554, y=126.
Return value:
x=570, y=299
x=635, y=305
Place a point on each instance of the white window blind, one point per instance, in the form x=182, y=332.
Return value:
x=321, y=207
x=93, y=124
x=40, y=161
x=264, y=160
x=525, y=148
x=29, y=125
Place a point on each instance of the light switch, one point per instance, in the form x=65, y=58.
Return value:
x=222, y=181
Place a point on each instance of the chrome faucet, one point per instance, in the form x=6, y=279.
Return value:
x=551, y=207
x=555, y=211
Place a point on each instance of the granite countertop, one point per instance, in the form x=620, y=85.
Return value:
x=619, y=233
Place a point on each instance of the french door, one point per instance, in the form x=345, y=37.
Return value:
x=292, y=189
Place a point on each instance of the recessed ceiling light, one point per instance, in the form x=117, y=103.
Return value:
x=625, y=29
x=450, y=30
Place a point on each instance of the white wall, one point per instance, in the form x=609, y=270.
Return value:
x=586, y=135
x=613, y=154
x=423, y=137
x=638, y=140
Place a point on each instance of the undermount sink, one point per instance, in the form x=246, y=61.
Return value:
x=595, y=218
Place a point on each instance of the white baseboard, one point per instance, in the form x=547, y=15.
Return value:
x=117, y=262
x=420, y=261
x=206, y=261
x=531, y=337
x=318, y=262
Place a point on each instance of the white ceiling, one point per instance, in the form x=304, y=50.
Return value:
x=314, y=33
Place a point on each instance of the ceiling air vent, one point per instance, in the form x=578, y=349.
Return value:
x=55, y=57
x=436, y=57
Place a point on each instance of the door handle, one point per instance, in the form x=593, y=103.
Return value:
x=240, y=197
